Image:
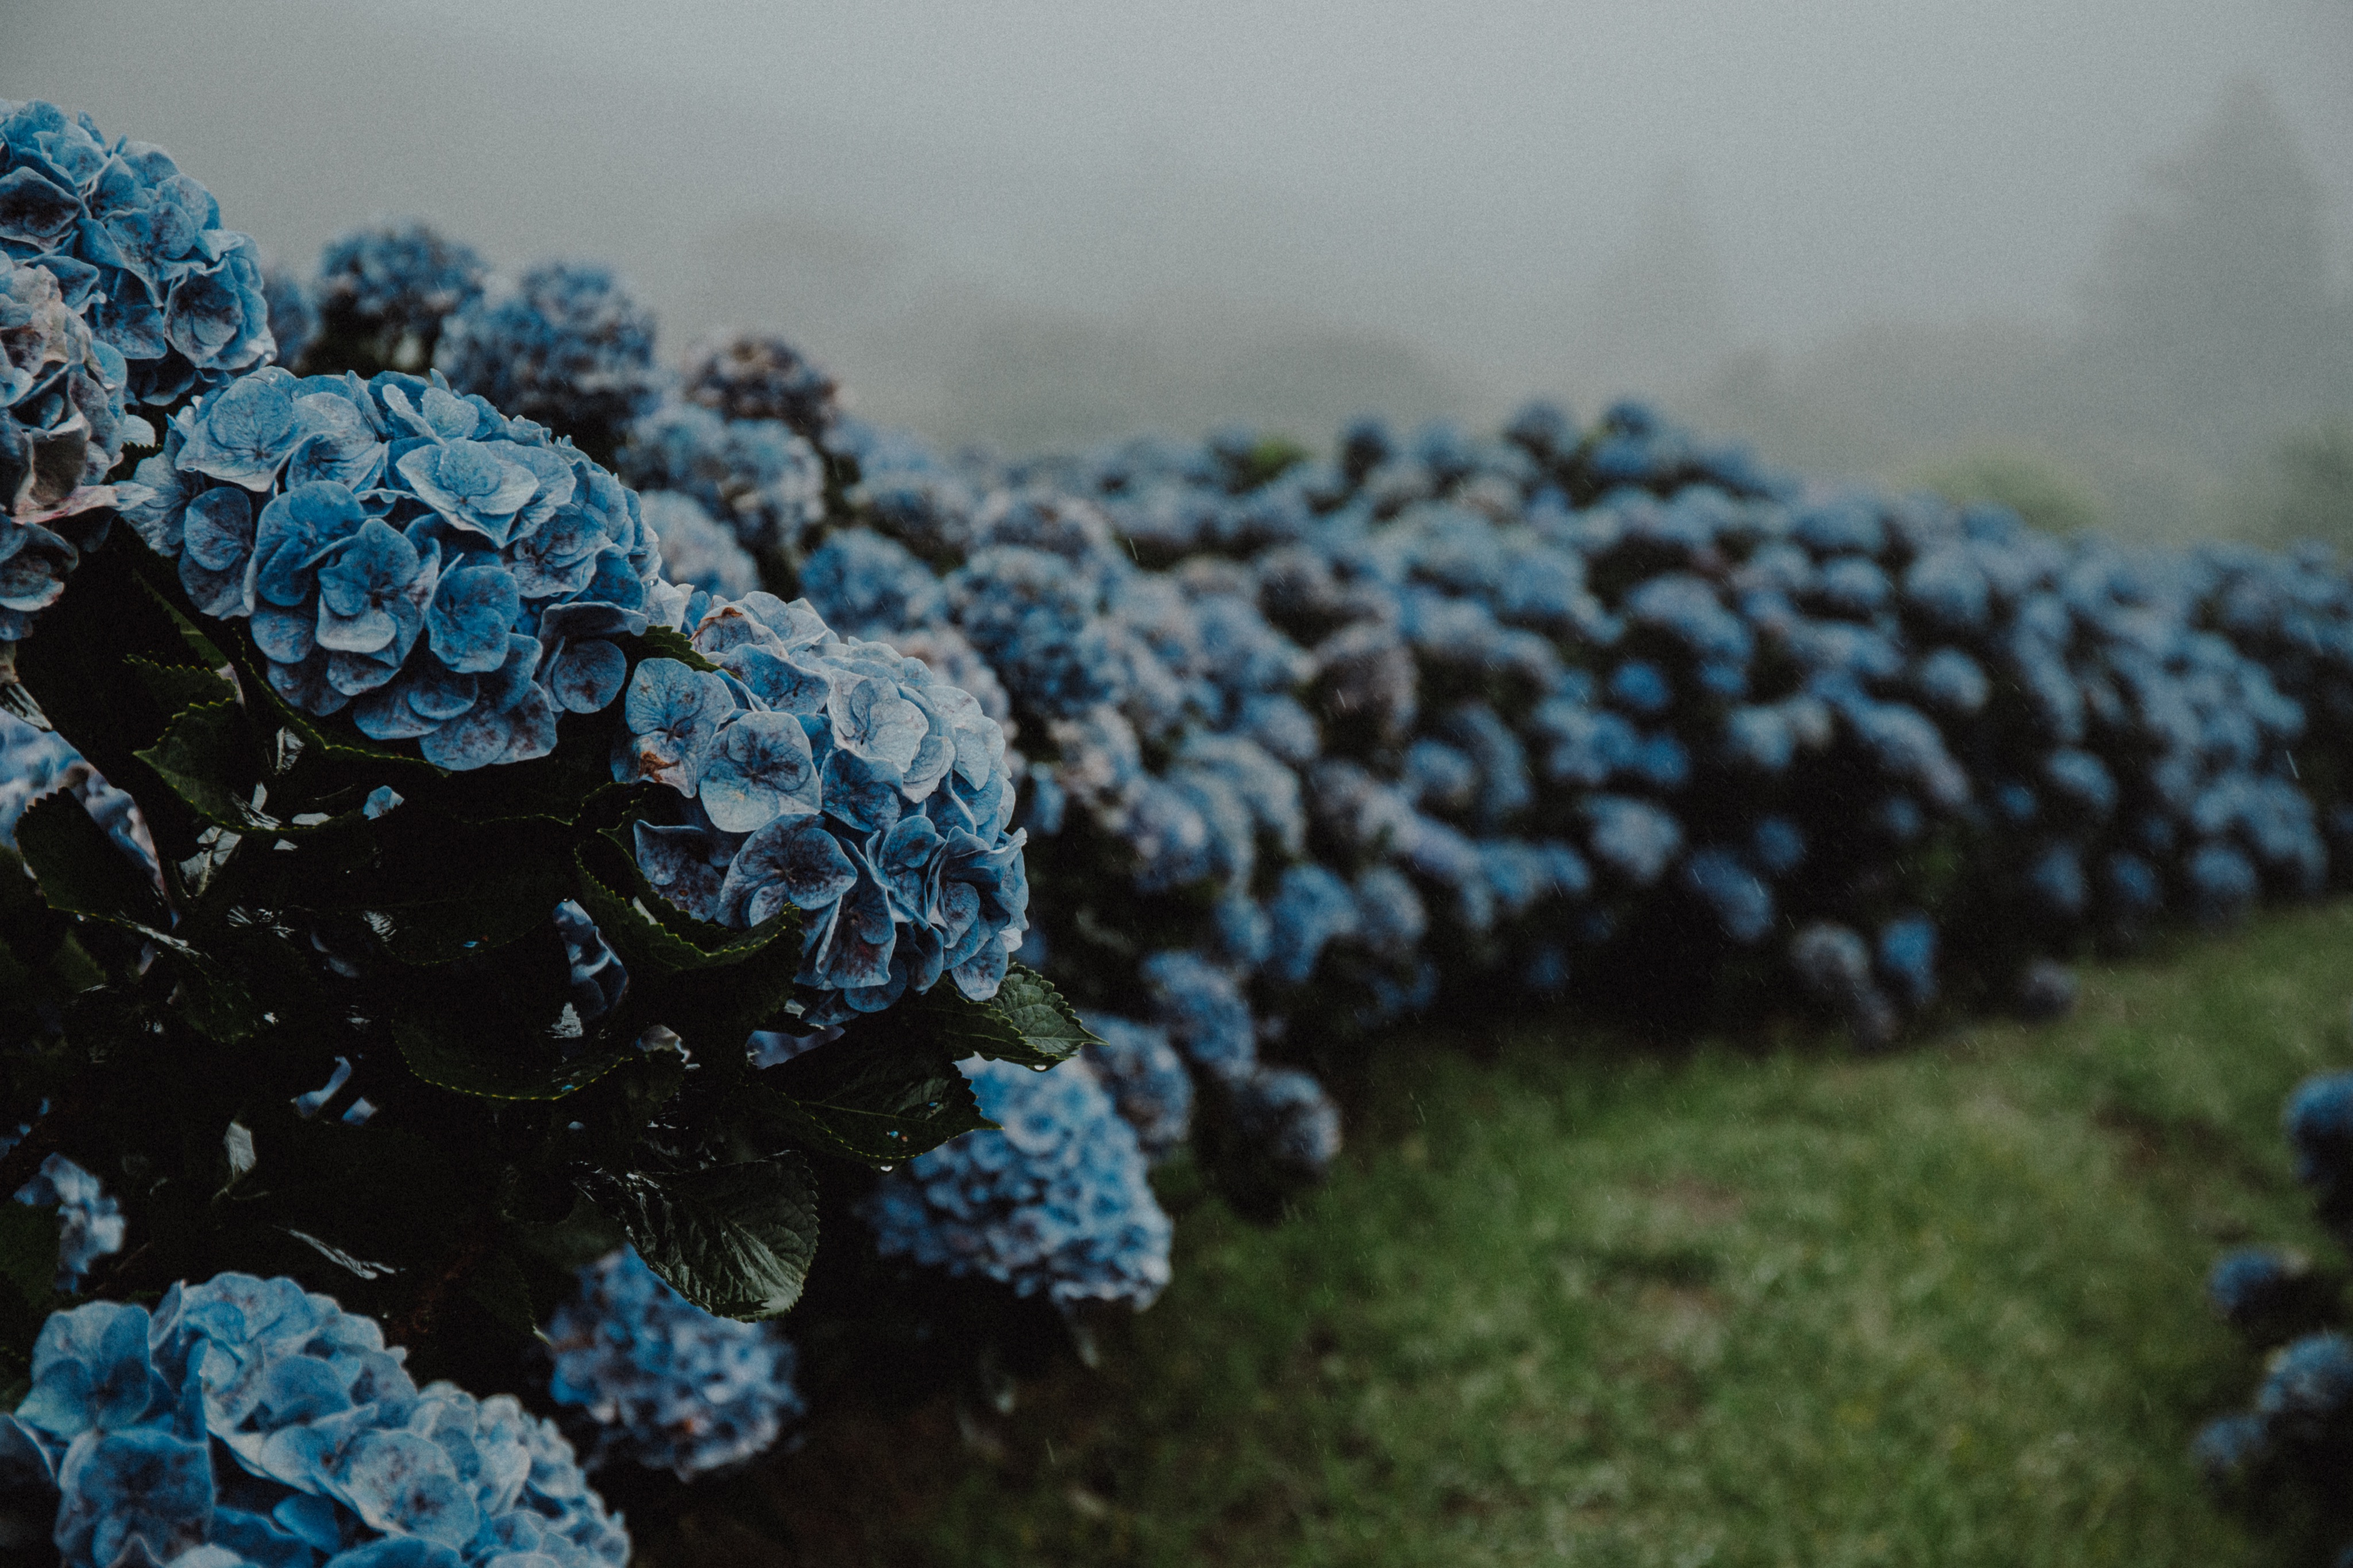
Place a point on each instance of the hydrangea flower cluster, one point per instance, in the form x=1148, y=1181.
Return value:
x=566, y=344
x=764, y=483
x=448, y=574
x=839, y=779
x=62, y=427
x=245, y=1424
x=695, y=549
x=137, y=246
x=660, y=1381
x=1055, y=1205
x=2299, y=1433
x=387, y=287
x=760, y=377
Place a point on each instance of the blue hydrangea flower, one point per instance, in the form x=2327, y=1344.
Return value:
x=660, y=1381
x=2308, y=1388
x=566, y=344
x=2045, y=989
x=1311, y=909
x=448, y=574
x=1906, y=955
x=755, y=376
x=1033, y=618
x=62, y=429
x=89, y=1223
x=838, y=778
x=2247, y=1285
x=696, y=551
x=1633, y=837
x=1056, y=1204
x=137, y=243
x=1147, y=1080
x=2229, y=1448
x=755, y=476
x=1737, y=898
x=2319, y=1120
x=391, y=285
x=1202, y=1008
x=870, y=585
x=1833, y=962
x=247, y=1422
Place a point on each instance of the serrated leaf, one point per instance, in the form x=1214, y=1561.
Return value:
x=489, y=1063
x=178, y=686
x=28, y=1250
x=207, y=758
x=1027, y=1022
x=474, y=918
x=735, y=1240
x=647, y=929
x=80, y=868
x=878, y=1094
x=1049, y=1026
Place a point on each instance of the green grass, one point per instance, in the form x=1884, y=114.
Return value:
x=1570, y=1301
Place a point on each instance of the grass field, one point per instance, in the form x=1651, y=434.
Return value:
x=1568, y=1301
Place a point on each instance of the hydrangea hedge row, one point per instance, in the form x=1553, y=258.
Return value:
x=1307, y=745
x=574, y=861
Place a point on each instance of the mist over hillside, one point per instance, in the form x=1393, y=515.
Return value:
x=2104, y=250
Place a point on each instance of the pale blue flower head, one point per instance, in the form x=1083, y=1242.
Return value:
x=840, y=779
x=139, y=243
x=450, y=575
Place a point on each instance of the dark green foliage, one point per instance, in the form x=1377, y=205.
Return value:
x=170, y=1023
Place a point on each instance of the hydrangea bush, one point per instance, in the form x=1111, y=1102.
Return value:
x=390, y=696
x=2299, y=1437
x=247, y=1422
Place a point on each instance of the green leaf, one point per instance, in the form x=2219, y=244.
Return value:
x=651, y=935
x=497, y=1286
x=207, y=757
x=663, y=642
x=735, y=1240
x=29, y=1251
x=80, y=870
x=1027, y=1022
x=579, y=1238
x=478, y=1058
x=1049, y=1026
x=878, y=1094
x=177, y=686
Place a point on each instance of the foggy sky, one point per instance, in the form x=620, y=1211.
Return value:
x=1454, y=177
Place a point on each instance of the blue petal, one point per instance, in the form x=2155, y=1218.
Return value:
x=587, y=676
x=759, y=770
x=794, y=862
x=471, y=613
